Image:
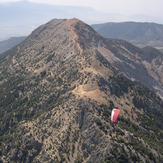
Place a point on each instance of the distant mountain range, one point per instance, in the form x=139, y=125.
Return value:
x=20, y=18
x=8, y=44
x=141, y=34
x=58, y=88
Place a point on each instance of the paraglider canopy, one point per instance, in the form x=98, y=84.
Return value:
x=114, y=115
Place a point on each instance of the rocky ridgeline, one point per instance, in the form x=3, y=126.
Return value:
x=58, y=89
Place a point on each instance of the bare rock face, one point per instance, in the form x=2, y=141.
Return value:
x=58, y=89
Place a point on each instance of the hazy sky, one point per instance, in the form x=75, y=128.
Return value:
x=126, y=7
x=113, y=11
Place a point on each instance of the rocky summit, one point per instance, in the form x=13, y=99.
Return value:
x=58, y=88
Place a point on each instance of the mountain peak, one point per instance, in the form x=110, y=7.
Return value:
x=72, y=29
x=74, y=20
x=58, y=88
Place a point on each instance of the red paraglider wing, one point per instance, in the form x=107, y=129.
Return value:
x=114, y=115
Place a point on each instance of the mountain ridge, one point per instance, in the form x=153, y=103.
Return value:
x=138, y=33
x=58, y=88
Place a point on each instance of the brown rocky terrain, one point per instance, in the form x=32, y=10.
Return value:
x=58, y=88
x=144, y=65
